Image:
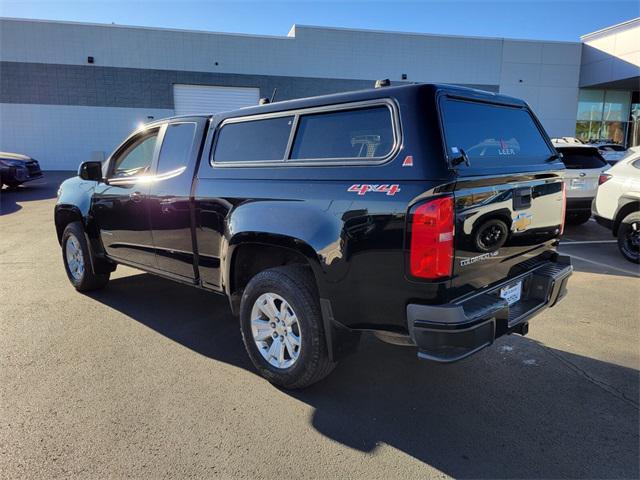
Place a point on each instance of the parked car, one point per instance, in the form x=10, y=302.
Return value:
x=617, y=204
x=612, y=152
x=324, y=218
x=567, y=140
x=16, y=169
x=584, y=166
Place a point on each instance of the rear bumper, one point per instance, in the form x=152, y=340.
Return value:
x=451, y=332
x=579, y=204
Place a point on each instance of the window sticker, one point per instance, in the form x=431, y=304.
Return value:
x=505, y=149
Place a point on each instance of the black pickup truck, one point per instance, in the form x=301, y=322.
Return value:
x=428, y=215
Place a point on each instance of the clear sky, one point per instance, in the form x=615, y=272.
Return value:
x=529, y=19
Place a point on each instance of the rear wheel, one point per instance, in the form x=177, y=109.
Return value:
x=77, y=260
x=629, y=237
x=282, y=327
x=578, y=218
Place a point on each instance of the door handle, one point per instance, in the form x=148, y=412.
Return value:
x=135, y=197
x=522, y=198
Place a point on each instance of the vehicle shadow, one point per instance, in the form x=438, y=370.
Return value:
x=41, y=189
x=518, y=409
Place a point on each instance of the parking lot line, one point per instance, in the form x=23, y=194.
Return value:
x=582, y=259
x=568, y=241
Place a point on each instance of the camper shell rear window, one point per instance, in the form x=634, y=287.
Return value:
x=492, y=136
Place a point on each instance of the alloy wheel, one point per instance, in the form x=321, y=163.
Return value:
x=75, y=258
x=276, y=330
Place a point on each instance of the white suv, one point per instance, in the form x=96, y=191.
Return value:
x=612, y=152
x=584, y=165
x=617, y=204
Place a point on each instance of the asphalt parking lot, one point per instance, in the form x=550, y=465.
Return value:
x=149, y=379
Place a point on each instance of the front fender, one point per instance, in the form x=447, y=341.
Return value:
x=74, y=203
x=76, y=192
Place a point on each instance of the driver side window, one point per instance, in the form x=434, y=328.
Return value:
x=136, y=159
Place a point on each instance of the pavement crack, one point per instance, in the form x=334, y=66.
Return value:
x=603, y=385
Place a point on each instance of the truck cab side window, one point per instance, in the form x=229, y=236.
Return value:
x=136, y=159
x=176, y=147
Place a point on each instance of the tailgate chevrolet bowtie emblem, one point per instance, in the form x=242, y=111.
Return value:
x=522, y=221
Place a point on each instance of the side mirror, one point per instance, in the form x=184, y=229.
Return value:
x=90, y=171
x=460, y=156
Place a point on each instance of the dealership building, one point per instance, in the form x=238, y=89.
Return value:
x=71, y=92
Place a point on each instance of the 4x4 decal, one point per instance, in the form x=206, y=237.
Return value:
x=364, y=188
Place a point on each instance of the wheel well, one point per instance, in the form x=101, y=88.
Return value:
x=623, y=212
x=251, y=259
x=63, y=217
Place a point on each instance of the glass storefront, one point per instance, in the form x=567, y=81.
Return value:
x=608, y=115
x=634, y=125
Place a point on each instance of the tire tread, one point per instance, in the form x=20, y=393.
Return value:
x=90, y=281
x=298, y=281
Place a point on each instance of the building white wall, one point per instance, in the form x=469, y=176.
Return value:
x=308, y=51
x=358, y=54
x=60, y=137
x=611, y=54
x=545, y=75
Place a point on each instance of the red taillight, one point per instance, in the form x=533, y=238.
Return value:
x=603, y=178
x=431, y=249
x=564, y=206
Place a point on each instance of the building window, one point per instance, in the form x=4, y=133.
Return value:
x=603, y=115
x=634, y=126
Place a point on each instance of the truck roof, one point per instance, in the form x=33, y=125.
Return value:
x=369, y=94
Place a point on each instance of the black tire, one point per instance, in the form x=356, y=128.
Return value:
x=578, y=218
x=294, y=284
x=87, y=280
x=629, y=237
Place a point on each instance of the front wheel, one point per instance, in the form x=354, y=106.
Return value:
x=629, y=237
x=282, y=327
x=77, y=260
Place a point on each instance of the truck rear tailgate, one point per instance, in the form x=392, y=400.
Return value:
x=501, y=222
x=509, y=195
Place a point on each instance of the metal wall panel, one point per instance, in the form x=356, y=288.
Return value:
x=190, y=99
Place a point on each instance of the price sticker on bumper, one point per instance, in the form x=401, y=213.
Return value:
x=511, y=293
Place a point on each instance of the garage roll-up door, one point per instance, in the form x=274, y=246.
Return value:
x=189, y=99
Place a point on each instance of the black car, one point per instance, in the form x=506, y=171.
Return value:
x=16, y=169
x=428, y=215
